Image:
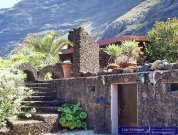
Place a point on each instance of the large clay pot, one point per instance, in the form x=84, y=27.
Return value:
x=67, y=69
x=127, y=64
x=113, y=66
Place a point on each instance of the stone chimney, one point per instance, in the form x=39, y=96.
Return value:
x=85, y=52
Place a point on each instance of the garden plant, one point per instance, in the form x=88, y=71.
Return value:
x=128, y=51
x=12, y=92
x=72, y=116
x=163, y=41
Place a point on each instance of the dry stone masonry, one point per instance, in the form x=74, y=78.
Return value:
x=31, y=72
x=157, y=105
x=34, y=75
x=55, y=70
x=85, y=52
x=156, y=86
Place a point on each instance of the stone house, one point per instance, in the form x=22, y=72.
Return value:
x=111, y=99
x=119, y=98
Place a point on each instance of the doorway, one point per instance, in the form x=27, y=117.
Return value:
x=127, y=96
x=123, y=106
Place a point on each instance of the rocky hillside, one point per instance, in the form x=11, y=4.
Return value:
x=140, y=19
x=102, y=18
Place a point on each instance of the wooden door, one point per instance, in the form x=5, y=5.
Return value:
x=127, y=95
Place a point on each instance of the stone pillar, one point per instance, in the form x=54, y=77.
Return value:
x=85, y=52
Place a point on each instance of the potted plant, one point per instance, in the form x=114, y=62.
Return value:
x=67, y=68
x=130, y=54
x=114, y=51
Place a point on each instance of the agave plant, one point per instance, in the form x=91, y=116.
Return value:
x=131, y=49
x=114, y=51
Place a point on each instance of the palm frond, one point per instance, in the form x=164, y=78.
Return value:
x=58, y=43
x=58, y=49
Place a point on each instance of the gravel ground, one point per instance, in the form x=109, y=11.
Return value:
x=78, y=132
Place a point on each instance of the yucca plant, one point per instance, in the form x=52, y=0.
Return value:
x=114, y=51
x=131, y=48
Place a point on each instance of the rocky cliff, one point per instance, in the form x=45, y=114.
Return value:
x=101, y=18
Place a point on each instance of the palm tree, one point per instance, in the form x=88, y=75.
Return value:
x=49, y=44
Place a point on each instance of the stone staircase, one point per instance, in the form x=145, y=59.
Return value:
x=44, y=98
x=45, y=120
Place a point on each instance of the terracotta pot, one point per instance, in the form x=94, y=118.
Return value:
x=127, y=64
x=67, y=69
x=113, y=66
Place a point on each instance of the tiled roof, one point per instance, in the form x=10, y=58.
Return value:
x=113, y=40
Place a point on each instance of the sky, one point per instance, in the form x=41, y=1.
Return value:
x=8, y=3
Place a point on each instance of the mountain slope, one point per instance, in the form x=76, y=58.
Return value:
x=102, y=19
x=140, y=19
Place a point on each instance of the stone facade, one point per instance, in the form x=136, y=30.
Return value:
x=156, y=102
x=156, y=105
x=85, y=52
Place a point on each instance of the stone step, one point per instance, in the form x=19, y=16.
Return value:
x=54, y=103
x=13, y=122
x=45, y=124
x=44, y=93
x=40, y=98
x=42, y=109
x=39, y=85
x=44, y=89
x=46, y=109
x=44, y=116
x=44, y=81
x=24, y=126
x=4, y=131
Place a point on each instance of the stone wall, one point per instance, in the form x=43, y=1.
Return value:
x=85, y=91
x=31, y=72
x=156, y=106
x=158, y=101
x=55, y=70
x=34, y=75
x=85, y=52
x=103, y=57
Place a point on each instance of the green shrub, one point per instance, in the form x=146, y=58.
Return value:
x=163, y=41
x=12, y=92
x=48, y=76
x=72, y=116
x=37, y=59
